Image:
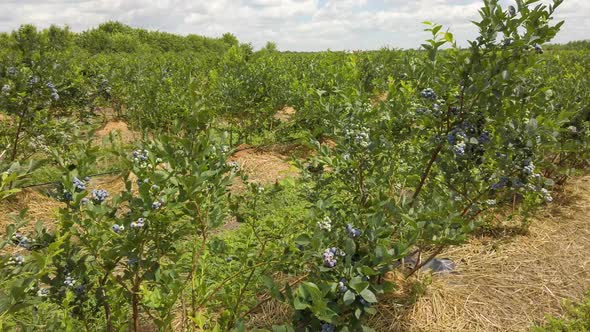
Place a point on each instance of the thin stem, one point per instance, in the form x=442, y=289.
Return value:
x=196, y=256
x=228, y=279
x=362, y=185
x=135, y=305
x=135, y=290
x=17, y=136
x=426, y=172
x=268, y=297
x=248, y=279
x=438, y=250
x=105, y=304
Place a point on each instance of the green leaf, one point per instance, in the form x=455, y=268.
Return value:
x=436, y=29
x=449, y=37
x=505, y=75
x=349, y=297
x=273, y=288
x=313, y=290
x=358, y=284
x=389, y=286
x=368, y=296
x=282, y=328
x=303, y=240
x=349, y=246
x=300, y=304
x=358, y=313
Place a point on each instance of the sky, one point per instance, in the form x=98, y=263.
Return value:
x=298, y=25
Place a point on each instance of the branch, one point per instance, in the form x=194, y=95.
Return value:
x=267, y=297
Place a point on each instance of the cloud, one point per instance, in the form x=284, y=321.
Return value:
x=292, y=24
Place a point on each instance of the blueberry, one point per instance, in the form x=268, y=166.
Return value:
x=428, y=93
x=99, y=195
x=353, y=232
x=342, y=286
x=511, y=11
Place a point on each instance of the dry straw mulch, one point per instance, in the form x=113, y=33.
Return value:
x=40, y=208
x=262, y=166
x=117, y=127
x=507, y=284
x=285, y=114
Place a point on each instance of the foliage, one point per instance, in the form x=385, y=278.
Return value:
x=459, y=133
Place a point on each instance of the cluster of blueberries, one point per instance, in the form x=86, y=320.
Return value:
x=468, y=139
x=234, y=165
x=459, y=148
x=140, y=181
x=11, y=71
x=156, y=205
x=500, y=184
x=99, y=195
x=359, y=136
x=33, y=80
x=330, y=255
x=69, y=281
x=529, y=167
x=546, y=195
x=140, y=157
x=138, y=224
x=43, y=292
x=16, y=260
x=428, y=93
x=528, y=170
x=353, y=232
x=118, y=228
x=342, y=288
x=327, y=327
x=22, y=241
x=505, y=181
x=80, y=185
x=54, y=94
x=104, y=86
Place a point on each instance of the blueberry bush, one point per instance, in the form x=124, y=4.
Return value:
x=407, y=153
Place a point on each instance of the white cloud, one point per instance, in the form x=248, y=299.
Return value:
x=293, y=24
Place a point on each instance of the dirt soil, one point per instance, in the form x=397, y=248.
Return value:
x=285, y=114
x=117, y=127
x=263, y=166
